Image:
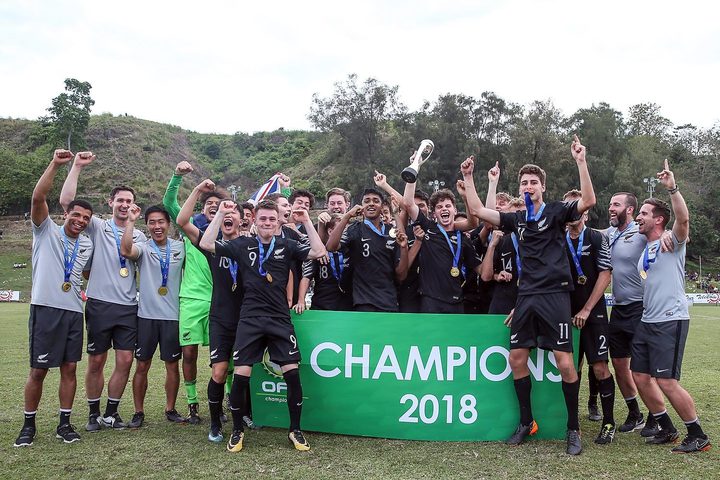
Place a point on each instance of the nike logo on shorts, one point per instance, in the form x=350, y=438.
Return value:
x=661, y=371
x=292, y=352
x=562, y=343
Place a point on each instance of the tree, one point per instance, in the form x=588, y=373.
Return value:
x=70, y=112
x=645, y=119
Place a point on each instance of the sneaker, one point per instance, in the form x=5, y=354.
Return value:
x=67, y=433
x=632, y=422
x=594, y=413
x=193, y=418
x=574, y=445
x=215, y=435
x=665, y=436
x=174, y=417
x=651, y=428
x=606, y=435
x=235, y=443
x=26, y=437
x=521, y=433
x=93, y=424
x=250, y=424
x=112, y=421
x=137, y=420
x=691, y=444
x=298, y=440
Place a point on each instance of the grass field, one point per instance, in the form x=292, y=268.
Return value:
x=162, y=450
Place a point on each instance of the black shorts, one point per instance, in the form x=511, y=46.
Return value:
x=151, y=333
x=624, y=320
x=433, y=305
x=56, y=336
x=658, y=348
x=594, y=340
x=542, y=320
x=222, y=340
x=502, y=304
x=110, y=324
x=254, y=334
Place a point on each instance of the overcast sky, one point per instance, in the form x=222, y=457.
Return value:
x=227, y=66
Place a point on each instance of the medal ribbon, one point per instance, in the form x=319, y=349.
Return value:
x=514, y=239
x=576, y=254
x=233, y=268
x=337, y=271
x=69, y=258
x=530, y=215
x=458, y=239
x=646, y=258
x=164, y=261
x=372, y=227
x=263, y=256
x=117, y=242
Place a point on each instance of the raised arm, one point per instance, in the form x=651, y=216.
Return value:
x=381, y=182
x=401, y=269
x=487, y=268
x=317, y=249
x=207, y=242
x=39, y=210
x=475, y=206
x=127, y=246
x=586, y=188
x=170, y=199
x=681, y=225
x=185, y=214
x=333, y=242
x=69, y=189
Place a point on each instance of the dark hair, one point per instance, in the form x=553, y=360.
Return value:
x=121, y=188
x=443, y=194
x=215, y=193
x=660, y=209
x=247, y=206
x=157, y=209
x=373, y=191
x=302, y=193
x=530, y=169
x=422, y=195
x=272, y=197
x=267, y=205
x=630, y=200
x=80, y=203
x=337, y=191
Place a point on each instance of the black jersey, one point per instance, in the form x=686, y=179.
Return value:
x=263, y=298
x=225, y=302
x=478, y=293
x=288, y=232
x=594, y=258
x=329, y=291
x=437, y=261
x=409, y=289
x=541, y=244
x=505, y=259
x=374, y=258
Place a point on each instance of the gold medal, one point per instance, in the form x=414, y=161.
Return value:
x=268, y=277
x=392, y=233
x=124, y=272
x=66, y=286
x=643, y=274
x=234, y=287
x=582, y=280
x=455, y=272
x=163, y=291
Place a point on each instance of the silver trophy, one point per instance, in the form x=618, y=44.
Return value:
x=409, y=175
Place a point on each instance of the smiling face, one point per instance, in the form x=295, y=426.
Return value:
x=444, y=213
x=210, y=207
x=301, y=202
x=157, y=226
x=619, y=211
x=77, y=220
x=120, y=204
x=646, y=221
x=266, y=222
x=231, y=223
x=337, y=204
x=285, y=209
x=372, y=206
x=531, y=183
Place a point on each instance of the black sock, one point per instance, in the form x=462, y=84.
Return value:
x=571, y=392
x=64, y=417
x=94, y=406
x=523, y=386
x=651, y=421
x=694, y=429
x=607, y=399
x=29, y=419
x=241, y=383
x=215, y=393
x=633, y=406
x=664, y=420
x=593, y=384
x=111, y=407
x=294, y=397
x=248, y=404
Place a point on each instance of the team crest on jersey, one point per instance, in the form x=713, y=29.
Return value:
x=541, y=225
x=390, y=244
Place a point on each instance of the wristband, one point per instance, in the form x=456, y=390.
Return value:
x=672, y=191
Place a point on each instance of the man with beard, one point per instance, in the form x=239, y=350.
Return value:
x=111, y=308
x=160, y=262
x=59, y=254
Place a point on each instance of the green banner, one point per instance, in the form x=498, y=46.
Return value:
x=409, y=376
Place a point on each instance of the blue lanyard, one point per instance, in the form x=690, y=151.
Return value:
x=372, y=227
x=646, y=258
x=619, y=234
x=514, y=239
x=576, y=254
x=117, y=242
x=69, y=258
x=164, y=260
x=233, y=268
x=455, y=253
x=529, y=213
x=337, y=271
x=263, y=256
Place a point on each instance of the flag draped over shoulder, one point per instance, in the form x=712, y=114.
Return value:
x=271, y=186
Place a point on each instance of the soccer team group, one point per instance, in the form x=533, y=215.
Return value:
x=238, y=269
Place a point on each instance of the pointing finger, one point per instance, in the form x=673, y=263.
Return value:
x=667, y=167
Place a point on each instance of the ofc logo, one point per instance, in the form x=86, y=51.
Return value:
x=274, y=370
